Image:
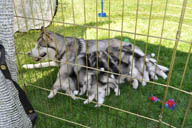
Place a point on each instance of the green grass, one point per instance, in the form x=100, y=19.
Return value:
x=135, y=101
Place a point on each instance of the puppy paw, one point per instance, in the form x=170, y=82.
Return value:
x=98, y=105
x=102, y=69
x=86, y=102
x=135, y=86
x=107, y=92
x=51, y=95
x=76, y=92
x=156, y=78
x=74, y=97
x=165, y=77
x=81, y=93
x=117, y=92
x=112, y=76
x=144, y=83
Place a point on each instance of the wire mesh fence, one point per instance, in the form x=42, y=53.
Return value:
x=160, y=27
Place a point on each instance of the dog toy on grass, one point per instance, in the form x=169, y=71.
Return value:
x=170, y=104
x=154, y=99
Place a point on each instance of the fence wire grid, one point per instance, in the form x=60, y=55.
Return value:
x=161, y=27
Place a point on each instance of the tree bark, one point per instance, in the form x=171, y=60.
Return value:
x=12, y=114
x=33, y=14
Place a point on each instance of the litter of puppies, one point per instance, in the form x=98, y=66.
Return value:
x=98, y=83
x=116, y=63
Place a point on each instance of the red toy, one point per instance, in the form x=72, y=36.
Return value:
x=170, y=104
x=154, y=99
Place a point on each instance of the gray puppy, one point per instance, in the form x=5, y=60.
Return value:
x=86, y=74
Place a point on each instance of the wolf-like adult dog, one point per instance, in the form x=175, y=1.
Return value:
x=62, y=49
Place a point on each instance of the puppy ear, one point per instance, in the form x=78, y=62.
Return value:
x=42, y=28
x=44, y=36
x=43, y=32
x=72, y=44
x=48, y=37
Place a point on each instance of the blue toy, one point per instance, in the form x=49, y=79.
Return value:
x=154, y=99
x=170, y=104
x=102, y=14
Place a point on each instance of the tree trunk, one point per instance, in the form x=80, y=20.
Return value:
x=33, y=14
x=12, y=114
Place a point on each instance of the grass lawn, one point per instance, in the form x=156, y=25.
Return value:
x=135, y=101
